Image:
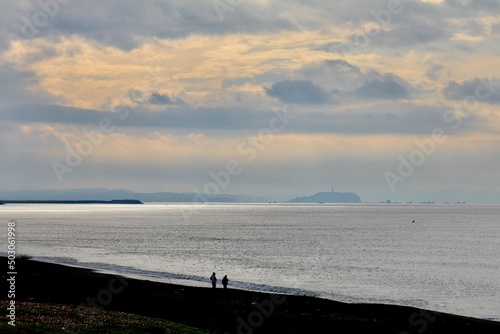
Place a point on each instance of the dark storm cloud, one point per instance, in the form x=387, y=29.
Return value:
x=407, y=24
x=490, y=6
x=126, y=24
x=387, y=87
x=415, y=24
x=163, y=99
x=344, y=81
x=15, y=86
x=411, y=35
x=4, y=40
x=298, y=91
x=474, y=28
x=334, y=74
x=483, y=89
x=334, y=47
x=434, y=70
x=496, y=28
x=185, y=118
x=334, y=67
x=387, y=117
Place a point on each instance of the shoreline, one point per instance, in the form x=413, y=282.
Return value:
x=176, y=279
x=196, y=281
x=227, y=311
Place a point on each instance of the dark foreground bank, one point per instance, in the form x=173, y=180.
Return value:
x=219, y=311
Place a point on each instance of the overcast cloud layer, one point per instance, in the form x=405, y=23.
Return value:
x=303, y=95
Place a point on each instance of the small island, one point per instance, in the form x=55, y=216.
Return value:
x=328, y=197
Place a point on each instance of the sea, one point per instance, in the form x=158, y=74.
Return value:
x=438, y=257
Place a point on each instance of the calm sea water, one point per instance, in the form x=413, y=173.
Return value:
x=447, y=260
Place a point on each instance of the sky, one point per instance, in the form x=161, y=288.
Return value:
x=250, y=97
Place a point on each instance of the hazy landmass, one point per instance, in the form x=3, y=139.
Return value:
x=102, y=194
x=407, y=195
x=328, y=197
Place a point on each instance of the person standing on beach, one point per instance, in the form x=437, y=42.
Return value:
x=225, y=281
x=214, y=280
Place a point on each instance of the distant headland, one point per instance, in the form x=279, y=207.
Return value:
x=122, y=196
x=98, y=195
x=328, y=197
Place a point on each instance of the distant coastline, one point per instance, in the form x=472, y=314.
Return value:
x=114, y=201
x=328, y=197
x=446, y=196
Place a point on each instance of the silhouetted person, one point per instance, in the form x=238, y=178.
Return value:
x=225, y=281
x=214, y=280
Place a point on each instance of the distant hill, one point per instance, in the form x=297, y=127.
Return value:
x=328, y=197
x=102, y=194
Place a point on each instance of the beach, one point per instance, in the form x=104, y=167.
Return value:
x=218, y=310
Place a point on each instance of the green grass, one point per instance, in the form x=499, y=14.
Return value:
x=36, y=318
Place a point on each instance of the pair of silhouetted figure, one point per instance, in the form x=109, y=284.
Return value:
x=213, y=279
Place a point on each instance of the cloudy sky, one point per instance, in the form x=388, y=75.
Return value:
x=253, y=97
